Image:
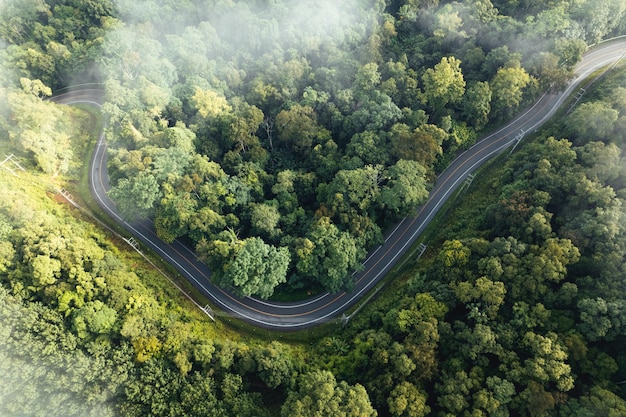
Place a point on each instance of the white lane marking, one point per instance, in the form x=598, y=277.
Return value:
x=291, y=306
x=394, y=230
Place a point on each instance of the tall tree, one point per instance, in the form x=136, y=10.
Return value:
x=297, y=128
x=422, y=144
x=444, y=84
x=264, y=219
x=275, y=365
x=136, y=197
x=476, y=104
x=405, y=189
x=247, y=267
x=591, y=121
x=320, y=395
x=507, y=88
x=327, y=255
x=407, y=400
x=352, y=189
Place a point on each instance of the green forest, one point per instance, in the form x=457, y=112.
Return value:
x=292, y=135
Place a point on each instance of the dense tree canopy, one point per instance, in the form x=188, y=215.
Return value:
x=342, y=101
x=523, y=314
x=339, y=103
x=282, y=138
x=319, y=395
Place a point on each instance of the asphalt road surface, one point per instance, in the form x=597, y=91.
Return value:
x=325, y=307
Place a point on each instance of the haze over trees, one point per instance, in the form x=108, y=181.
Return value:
x=284, y=148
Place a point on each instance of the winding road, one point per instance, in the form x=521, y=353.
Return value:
x=308, y=313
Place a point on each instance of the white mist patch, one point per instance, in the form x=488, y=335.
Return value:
x=255, y=28
x=7, y=74
x=6, y=81
x=327, y=18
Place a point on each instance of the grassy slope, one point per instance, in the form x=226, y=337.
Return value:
x=37, y=191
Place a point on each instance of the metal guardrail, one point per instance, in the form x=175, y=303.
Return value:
x=11, y=158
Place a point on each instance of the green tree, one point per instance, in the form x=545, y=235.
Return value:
x=601, y=319
x=406, y=400
x=327, y=256
x=421, y=144
x=483, y=295
x=170, y=162
x=570, y=51
x=601, y=162
x=160, y=391
x=174, y=214
x=367, y=77
x=45, y=270
x=264, y=219
x=210, y=103
x=598, y=18
x=275, y=365
x=549, y=71
x=244, y=125
x=454, y=392
x=547, y=362
x=498, y=58
x=503, y=392
x=477, y=342
x=94, y=318
x=597, y=402
x=507, y=88
x=476, y=104
x=444, y=84
x=178, y=136
x=449, y=24
x=405, y=188
x=297, y=128
x=40, y=128
x=239, y=402
x=373, y=112
x=320, y=395
x=356, y=189
x=422, y=307
x=591, y=121
x=379, y=361
x=45, y=367
x=453, y=258
x=370, y=147
x=137, y=196
x=247, y=267
x=284, y=189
